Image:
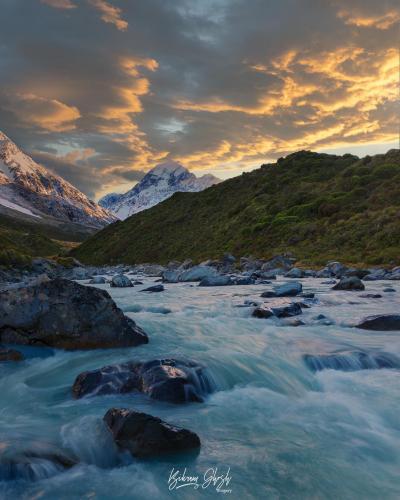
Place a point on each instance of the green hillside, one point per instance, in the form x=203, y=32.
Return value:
x=318, y=206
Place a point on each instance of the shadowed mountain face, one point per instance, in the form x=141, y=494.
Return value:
x=30, y=189
x=156, y=186
x=319, y=206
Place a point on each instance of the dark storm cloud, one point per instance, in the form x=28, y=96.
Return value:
x=215, y=84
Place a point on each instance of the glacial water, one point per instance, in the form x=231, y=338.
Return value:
x=284, y=431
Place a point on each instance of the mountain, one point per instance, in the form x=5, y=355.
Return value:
x=29, y=189
x=157, y=185
x=318, y=206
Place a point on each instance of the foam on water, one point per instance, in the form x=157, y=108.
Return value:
x=285, y=431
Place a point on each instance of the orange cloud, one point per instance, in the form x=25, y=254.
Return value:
x=110, y=14
x=50, y=115
x=357, y=18
x=60, y=4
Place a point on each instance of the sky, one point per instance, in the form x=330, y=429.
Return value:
x=101, y=91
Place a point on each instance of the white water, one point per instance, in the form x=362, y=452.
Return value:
x=285, y=432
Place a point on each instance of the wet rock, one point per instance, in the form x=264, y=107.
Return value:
x=120, y=281
x=64, y=314
x=324, y=273
x=383, y=322
x=7, y=354
x=351, y=283
x=244, y=280
x=292, y=322
x=267, y=275
x=285, y=262
x=268, y=294
x=371, y=296
x=197, y=273
x=336, y=269
x=307, y=295
x=328, y=282
x=250, y=264
x=262, y=312
x=186, y=264
x=295, y=273
x=351, y=361
x=146, y=436
x=277, y=309
x=153, y=289
x=389, y=290
x=79, y=273
x=394, y=274
x=175, y=381
x=97, y=280
x=219, y=280
x=288, y=289
x=375, y=274
x=153, y=270
x=171, y=276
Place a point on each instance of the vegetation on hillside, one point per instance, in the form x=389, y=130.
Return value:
x=318, y=206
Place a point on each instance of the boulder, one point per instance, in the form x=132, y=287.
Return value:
x=389, y=290
x=324, y=273
x=393, y=275
x=295, y=272
x=284, y=262
x=154, y=270
x=268, y=275
x=351, y=283
x=186, y=264
x=268, y=294
x=351, y=361
x=262, y=312
x=120, y=281
x=337, y=269
x=79, y=273
x=146, y=436
x=64, y=314
x=228, y=259
x=171, y=380
x=375, y=274
x=243, y=280
x=307, y=295
x=371, y=296
x=171, y=276
x=219, y=280
x=288, y=289
x=383, y=322
x=197, y=273
x=279, y=309
x=250, y=264
x=97, y=280
x=7, y=354
x=153, y=289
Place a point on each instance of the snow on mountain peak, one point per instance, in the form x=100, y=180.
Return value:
x=157, y=185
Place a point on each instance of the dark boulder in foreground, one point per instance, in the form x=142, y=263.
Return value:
x=154, y=289
x=145, y=436
x=7, y=354
x=166, y=380
x=351, y=361
x=350, y=283
x=61, y=313
x=383, y=322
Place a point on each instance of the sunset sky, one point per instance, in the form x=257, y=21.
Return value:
x=100, y=91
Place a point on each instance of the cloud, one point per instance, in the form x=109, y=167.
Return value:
x=60, y=4
x=49, y=115
x=110, y=14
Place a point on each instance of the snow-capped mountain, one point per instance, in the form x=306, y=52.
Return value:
x=156, y=186
x=29, y=188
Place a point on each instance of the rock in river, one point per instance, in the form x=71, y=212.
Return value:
x=279, y=309
x=7, y=354
x=169, y=380
x=220, y=280
x=153, y=289
x=121, y=281
x=351, y=361
x=62, y=313
x=146, y=436
x=350, y=283
x=197, y=273
x=383, y=322
x=288, y=289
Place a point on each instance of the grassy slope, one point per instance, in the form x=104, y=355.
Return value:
x=316, y=205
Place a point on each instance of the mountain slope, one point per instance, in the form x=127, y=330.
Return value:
x=156, y=186
x=29, y=188
x=319, y=206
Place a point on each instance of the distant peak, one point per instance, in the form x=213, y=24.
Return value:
x=3, y=137
x=169, y=167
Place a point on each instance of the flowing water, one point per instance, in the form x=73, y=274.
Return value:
x=284, y=431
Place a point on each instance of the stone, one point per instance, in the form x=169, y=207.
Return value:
x=389, y=290
x=268, y=294
x=371, y=296
x=220, y=280
x=288, y=289
x=282, y=261
x=197, y=273
x=243, y=280
x=154, y=289
x=120, y=281
x=351, y=361
x=146, y=436
x=382, y=322
x=64, y=314
x=375, y=274
x=307, y=295
x=295, y=272
x=171, y=380
x=7, y=354
x=97, y=280
x=171, y=276
x=351, y=283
